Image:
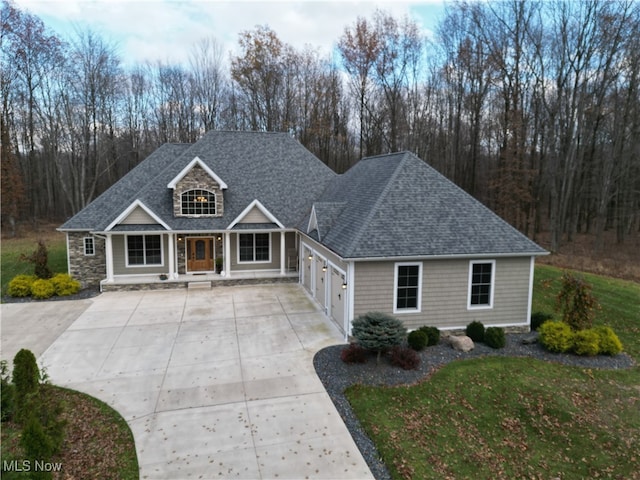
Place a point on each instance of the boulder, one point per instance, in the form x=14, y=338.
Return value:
x=461, y=343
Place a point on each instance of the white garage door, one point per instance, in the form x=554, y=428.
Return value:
x=337, y=298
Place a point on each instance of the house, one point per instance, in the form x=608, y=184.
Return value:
x=391, y=234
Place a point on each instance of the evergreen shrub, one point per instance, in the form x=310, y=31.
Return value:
x=538, y=318
x=433, y=335
x=417, y=340
x=7, y=393
x=586, y=342
x=494, y=337
x=65, y=285
x=608, y=341
x=20, y=285
x=378, y=332
x=42, y=288
x=475, y=331
x=556, y=336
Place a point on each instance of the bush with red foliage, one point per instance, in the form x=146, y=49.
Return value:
x=353, y=353
x=404, y=357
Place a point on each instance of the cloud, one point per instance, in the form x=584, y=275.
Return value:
x=166, y=30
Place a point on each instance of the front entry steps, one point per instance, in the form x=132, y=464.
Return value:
x=199, y=285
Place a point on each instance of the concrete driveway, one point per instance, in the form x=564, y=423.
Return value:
x=215, y=383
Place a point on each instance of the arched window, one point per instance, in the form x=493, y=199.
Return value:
x=198, y=202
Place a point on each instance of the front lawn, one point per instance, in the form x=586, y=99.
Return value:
x=515, y=417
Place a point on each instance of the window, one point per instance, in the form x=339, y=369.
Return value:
x=254, y=247
x=198, y=202
x=89, y=246
x=144, y=250
x=481, y=284
x=408, y=287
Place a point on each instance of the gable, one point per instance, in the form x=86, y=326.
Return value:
x=196, y=162
x=255, y=212
x=138, y=217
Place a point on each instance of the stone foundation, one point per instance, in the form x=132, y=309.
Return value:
x=168, y=285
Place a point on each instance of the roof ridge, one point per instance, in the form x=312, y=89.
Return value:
x=356, y=238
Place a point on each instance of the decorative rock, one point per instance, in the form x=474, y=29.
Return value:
x=461, y=343
x=530, y=339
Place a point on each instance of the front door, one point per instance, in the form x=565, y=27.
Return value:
x=200, y=254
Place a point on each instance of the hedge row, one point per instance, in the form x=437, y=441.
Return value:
x=29, y=285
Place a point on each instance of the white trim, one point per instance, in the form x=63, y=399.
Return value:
x=330, y=267
x=262, y=208
x=143, y=265
x=351, y=287
x=226, y=247
x=493, y=285
x=283, y=252
x=201, y=164
x=137, y=203
x=530, y=296
x=313, y=222
x=93, y=246
x=418, y=308
x=461, y=256
x=108, y=247
x=245, y=262
x=171, y=248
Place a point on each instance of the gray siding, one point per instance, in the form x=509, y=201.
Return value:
x=138, y=217
x=255, y=216
x=445, y=285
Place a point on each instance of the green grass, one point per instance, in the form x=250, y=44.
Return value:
x=97, y=442
x=12, y=249
x=514, y=417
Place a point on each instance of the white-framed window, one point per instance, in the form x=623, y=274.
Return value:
x=481, y=283
x=89, y=246
x=198, y=202
x=254, y=248
x=407, y=295
x=144, y=250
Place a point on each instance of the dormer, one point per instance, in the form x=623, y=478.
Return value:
x=197, y=191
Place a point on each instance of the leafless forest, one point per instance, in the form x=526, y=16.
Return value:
x=531, y=106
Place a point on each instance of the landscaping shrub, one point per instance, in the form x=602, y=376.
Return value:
x=556, y=336
x=65, y=285
x=20, y=285
x=475, y=331
x=494, y=337
x=378, y=332
x=417, y=340
x=353, y=353
x=433, y=335
x=405, y=358
x=576, y=302
x=538, y=318
x=42, y=289
x=7, y=393
x=586, y=342
x=608, y=341
x=26, y=376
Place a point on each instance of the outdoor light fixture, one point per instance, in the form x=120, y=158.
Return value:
x=310, y=257
x=179, y=238
x=344, y=285
x=219, y=238
x=324, y=267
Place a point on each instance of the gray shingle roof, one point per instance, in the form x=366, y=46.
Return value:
x=397, y=205
x=271, y=167
x=386, y=206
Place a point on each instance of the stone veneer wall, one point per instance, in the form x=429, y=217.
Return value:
x=197, y=178
x=87, y=269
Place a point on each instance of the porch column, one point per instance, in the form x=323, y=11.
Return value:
x=282, y=254
x=108, y=250
x=227, y=254
x=172, y=256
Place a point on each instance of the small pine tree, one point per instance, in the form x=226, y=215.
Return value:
x=576, y=302
x=378, y=332
x=26, y=378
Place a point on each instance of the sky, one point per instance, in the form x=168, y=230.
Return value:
x=167, y=30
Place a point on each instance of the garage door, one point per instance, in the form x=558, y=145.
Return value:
x=337, y=298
